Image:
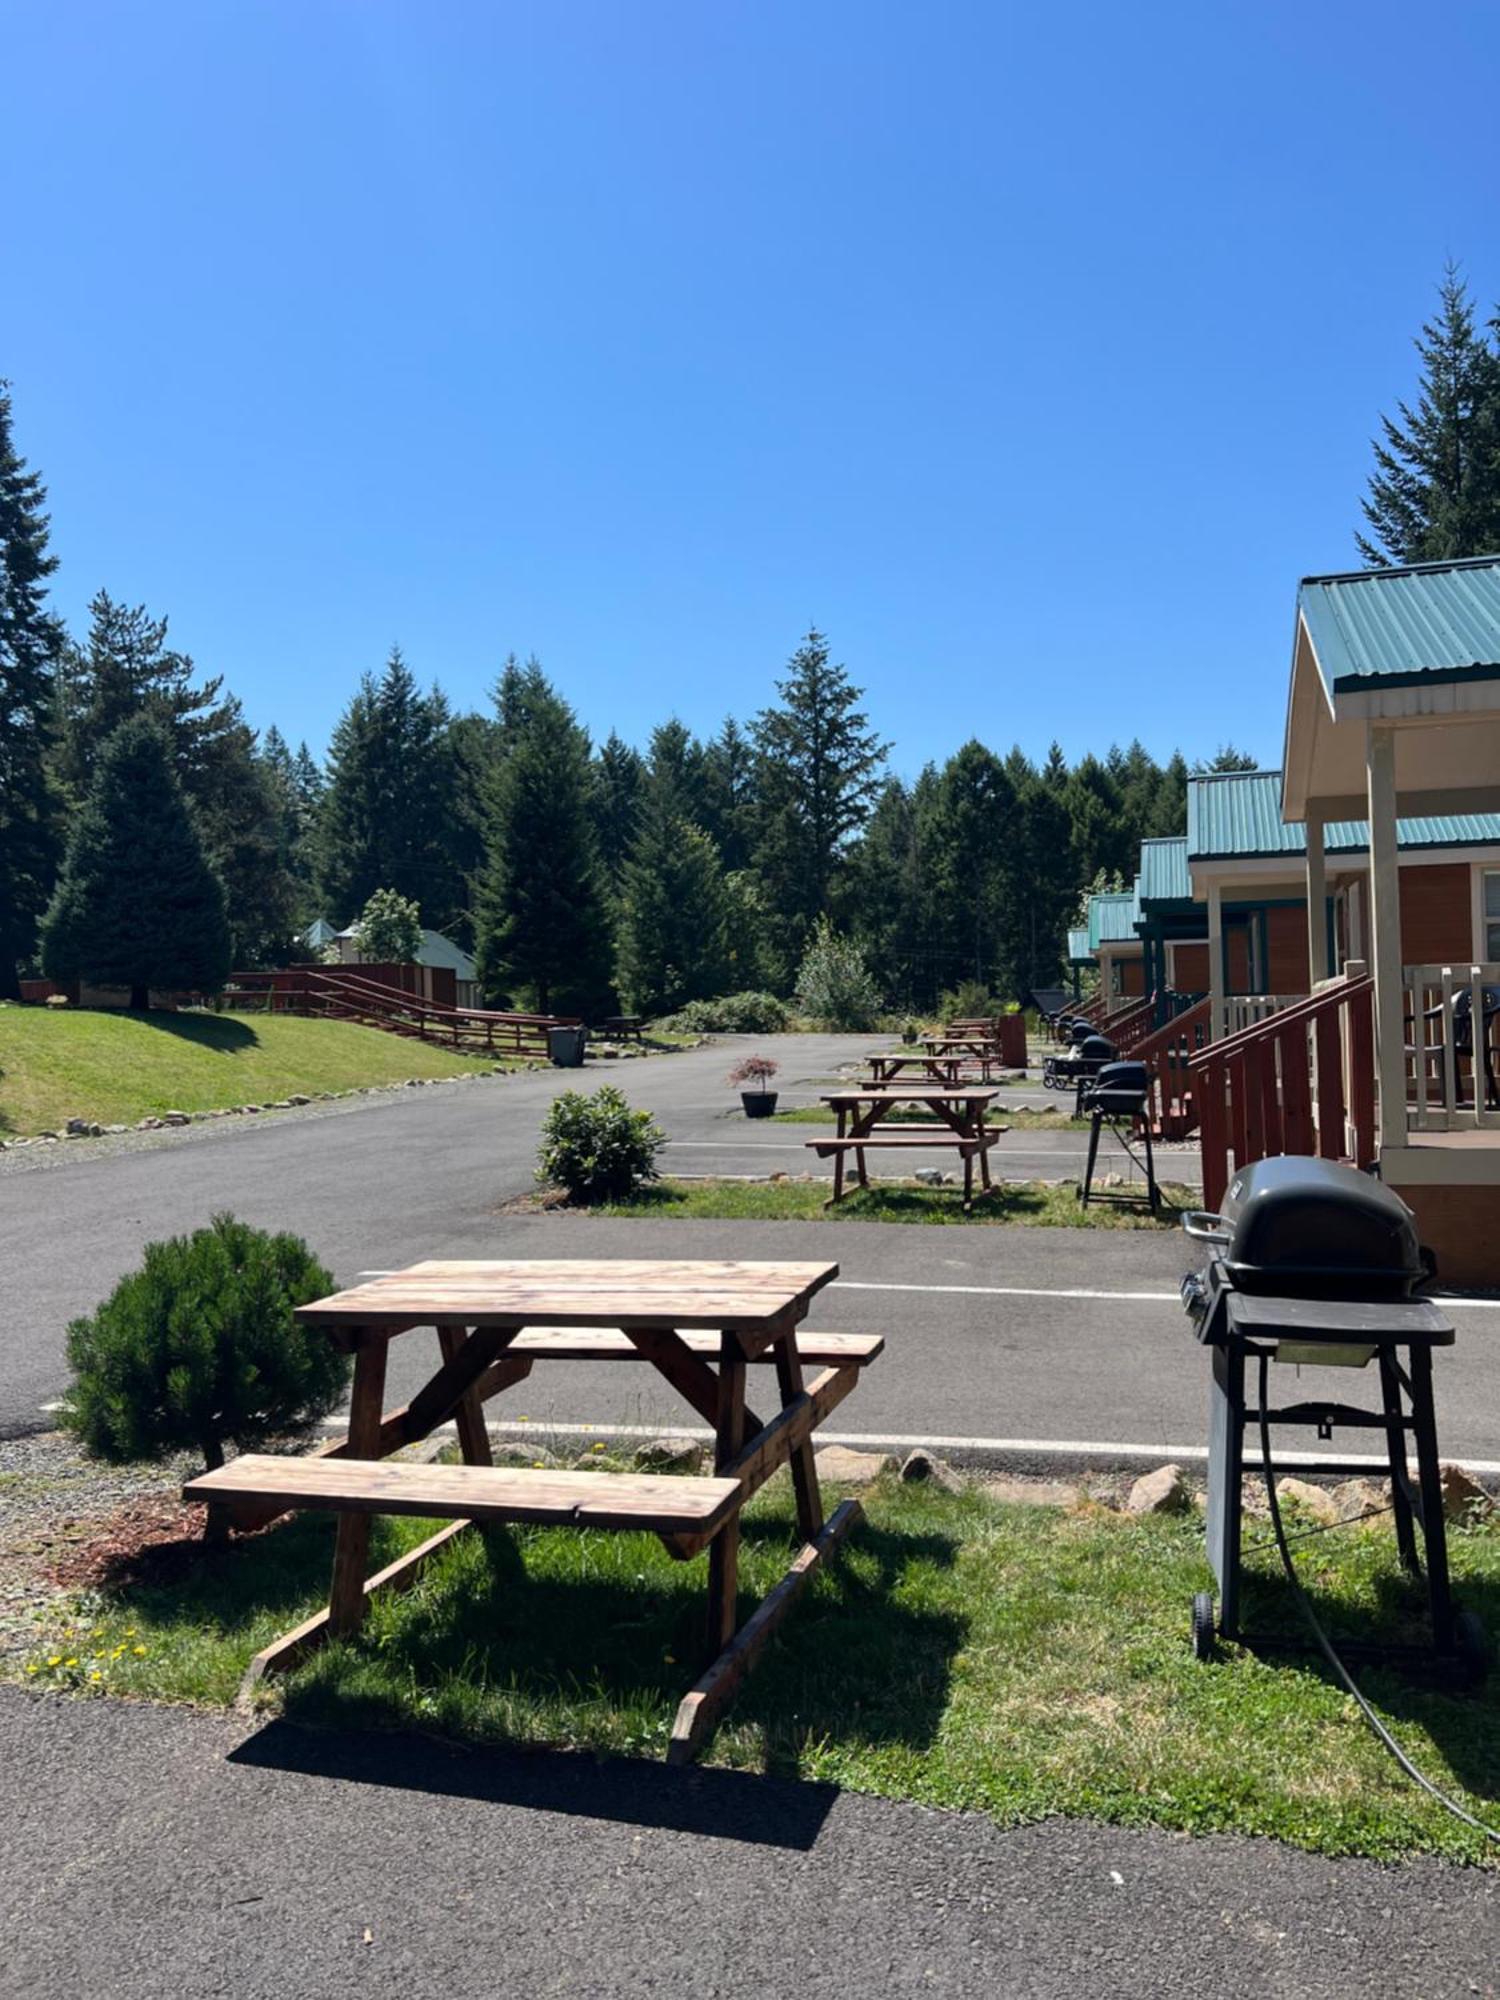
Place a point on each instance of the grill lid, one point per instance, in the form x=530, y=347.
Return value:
x=1305, y=1225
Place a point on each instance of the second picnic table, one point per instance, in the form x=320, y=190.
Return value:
x=697, y=1323
x=957, y=1122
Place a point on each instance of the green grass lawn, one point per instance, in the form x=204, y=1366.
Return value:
x=1037, y=1203
x=58, y=1063
x=1016, y=1660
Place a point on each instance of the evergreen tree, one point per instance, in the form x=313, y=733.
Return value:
x=891, y=896
x=616, y=780
x=388, y=801
x=675, y=769
x=473, y=749
x=673, y=912
x=977, y=866
x=137, y=904
x=30, y=652
x=540, y=918
x=818, y=776
x=729, y=795
x=1169, y=811
x=1435, y=490
x=1225, y=758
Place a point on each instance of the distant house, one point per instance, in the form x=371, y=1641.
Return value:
x=437, y=952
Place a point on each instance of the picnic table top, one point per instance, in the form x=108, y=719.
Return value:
x=640, y=1292
x=917, y=1092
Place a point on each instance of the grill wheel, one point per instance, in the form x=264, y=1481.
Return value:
x=1203, y=1625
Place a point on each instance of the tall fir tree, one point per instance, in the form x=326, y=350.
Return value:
x=616, y=781
x=729, y=795
x=541, y=927
x=137, y=904
x=673, y=914
x=818, y=776
x=388, y=799
x=31, y=643
x=1435, y=490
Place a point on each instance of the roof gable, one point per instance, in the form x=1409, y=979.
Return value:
x=1400, y=627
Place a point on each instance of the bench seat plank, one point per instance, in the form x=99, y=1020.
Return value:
x=920, y=1142
x=561, y=1343
x=663, y=1505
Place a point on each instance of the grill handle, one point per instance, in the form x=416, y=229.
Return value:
x=1206, y=1227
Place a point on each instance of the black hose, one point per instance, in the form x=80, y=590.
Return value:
x=1325, y=1645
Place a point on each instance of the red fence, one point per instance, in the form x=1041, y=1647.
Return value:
x=1168, y=1054
x=341, y=994
x=1301, y=1082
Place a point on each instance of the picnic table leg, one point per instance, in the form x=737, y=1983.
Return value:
x=968, y=1180
x=984, y=1158
x=804, y=1471
x=346, y=1596
x=473, y=1433
x=724, y=1549
x=838, y=1163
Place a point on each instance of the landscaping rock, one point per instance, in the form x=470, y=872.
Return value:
x=77, y=1128
x=845, y=1467
x=668, y=1455
x=1164, y=1491
x=1464, y=1498
x=1314, y=1500
x=298, y=1098
x=921, y=1466
x=1356, y=1497
x=930, y=1176
x=175, y=1118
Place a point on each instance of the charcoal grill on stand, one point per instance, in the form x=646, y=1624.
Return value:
x=1316, y=1265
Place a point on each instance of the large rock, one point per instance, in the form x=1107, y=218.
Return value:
x=669, y=1455
x=1463, y=1496
x=921, y=1467
x=842, y=1466
x=1355, y=1498
x=1164, y=1491
x=1314, y=1500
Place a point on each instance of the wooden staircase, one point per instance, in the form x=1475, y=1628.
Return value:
x=339, y=993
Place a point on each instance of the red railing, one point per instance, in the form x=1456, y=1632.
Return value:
x=338, y=993
x=1130, y=1026
x=1168, y=1053
x=1301, y=1082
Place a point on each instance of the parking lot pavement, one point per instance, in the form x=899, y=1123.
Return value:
x=160, y=1854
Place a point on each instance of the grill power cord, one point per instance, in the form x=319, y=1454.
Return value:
x=1325, y=1644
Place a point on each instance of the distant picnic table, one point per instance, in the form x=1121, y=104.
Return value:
x=697, y=1323
x=942, y=1069
x=957, y=1122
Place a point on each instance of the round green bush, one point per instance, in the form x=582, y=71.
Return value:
x=732, y=1014
x=597, y=1147
x=199, y=1349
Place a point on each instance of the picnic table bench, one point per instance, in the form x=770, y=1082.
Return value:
x=888, y=1068
x=494, y=1321
x=958, y=1121
x=624, y=1027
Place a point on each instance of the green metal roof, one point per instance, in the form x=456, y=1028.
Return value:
x=1164, y=871
x=1078, y=947
x=1235, y=815
x=1403, y=627
x=1111, y=918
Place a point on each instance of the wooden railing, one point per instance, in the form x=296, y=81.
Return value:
x=1130, y=1026
x=1301, y=1082
x=1168, y=1053
x=1248, y=1010
x=1452, y=1072
x=340, y=994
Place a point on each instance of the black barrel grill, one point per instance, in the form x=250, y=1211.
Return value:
x=1316, y=1265
x=1089, y=1053
x=1119, y=1097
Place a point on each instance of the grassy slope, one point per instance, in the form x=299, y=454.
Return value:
x=115, y=1068
x=1012, y=1659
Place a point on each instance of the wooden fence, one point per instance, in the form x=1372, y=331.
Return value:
x=339, y=993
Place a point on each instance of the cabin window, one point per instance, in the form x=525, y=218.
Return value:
x=1492, y=915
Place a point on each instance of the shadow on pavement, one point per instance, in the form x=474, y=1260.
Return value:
x=722, y=1805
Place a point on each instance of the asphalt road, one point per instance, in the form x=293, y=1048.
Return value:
x=156, y=1854
x=1035, y=1336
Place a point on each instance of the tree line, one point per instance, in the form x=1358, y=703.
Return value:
x=585, y=875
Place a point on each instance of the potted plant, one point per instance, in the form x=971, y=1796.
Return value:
x=750, y=1078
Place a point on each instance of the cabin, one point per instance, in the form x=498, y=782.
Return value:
x=1115, y=946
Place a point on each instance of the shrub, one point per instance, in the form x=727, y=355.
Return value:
x=199, y=1349
x=389, y=929
x=970, y=1000
x=732, y=1014
x=834, y=985
x=597, y=1147
x=754, y=1073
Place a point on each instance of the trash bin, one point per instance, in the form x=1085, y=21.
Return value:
x=565, y=1046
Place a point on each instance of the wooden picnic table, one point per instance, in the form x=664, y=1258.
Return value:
x=972, y=1050
x=888, y=1068
x=697, y=1323
x=958, y=1121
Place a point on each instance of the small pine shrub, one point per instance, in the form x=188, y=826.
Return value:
x=834, y=985
x=199, y=1349
x=597, y=1147
x=732, y=1014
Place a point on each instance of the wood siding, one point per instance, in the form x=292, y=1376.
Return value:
x=1437, y=916
x=1286, y=949
x=1190, y=968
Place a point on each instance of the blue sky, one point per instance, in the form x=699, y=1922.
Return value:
x=1032, y=353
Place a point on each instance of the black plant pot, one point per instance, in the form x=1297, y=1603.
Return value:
x=758, y=1103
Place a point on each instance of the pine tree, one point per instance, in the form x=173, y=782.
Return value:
x=542, y=935
x=137, y=903
x=673, y=915
x=976, y=865
x=675, y=768
x=30, y=651
x=1435, y=490
x=729, y=795
x=818, y=776
x=891, y=897
x=616, y=781
x=388, y=801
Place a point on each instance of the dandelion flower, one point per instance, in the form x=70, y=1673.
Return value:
x=96, y=1675
x=539, y=1465
x=139, y=1651
x=55, y=1660
x=71, y=1663
x=597, y=1447
x=33, y=1668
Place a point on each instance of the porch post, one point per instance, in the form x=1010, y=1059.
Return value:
x=1317, y=906
x=1385, y=936
x=1215, y=963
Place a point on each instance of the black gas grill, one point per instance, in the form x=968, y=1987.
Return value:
x=1089, y=1053
x=1316, y=1265
x=1119, y=1097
